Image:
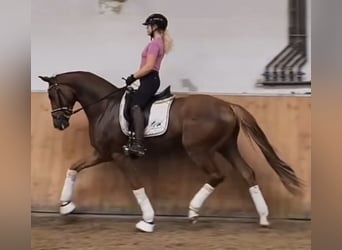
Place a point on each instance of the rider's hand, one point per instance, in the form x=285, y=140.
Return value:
x=131, y=79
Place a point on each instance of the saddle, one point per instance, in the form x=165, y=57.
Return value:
x=156, y=112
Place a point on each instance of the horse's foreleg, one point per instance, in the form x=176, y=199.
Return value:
x=67, y=206
x=126, y=166
x=147, y=224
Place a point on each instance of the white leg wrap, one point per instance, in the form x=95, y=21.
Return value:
x=145, y=227
x=260, y=204
x=198, y=200
x=145, y=205
x=68, y=185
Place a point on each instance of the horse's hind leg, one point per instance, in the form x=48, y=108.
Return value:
x=233, y=155
x=208, y=163
x=67, y=206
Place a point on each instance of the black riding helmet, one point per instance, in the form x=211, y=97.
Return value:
x=157, y=19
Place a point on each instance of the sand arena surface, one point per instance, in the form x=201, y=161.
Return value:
x=101, y=233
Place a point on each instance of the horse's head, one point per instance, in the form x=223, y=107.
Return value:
x=62, y=100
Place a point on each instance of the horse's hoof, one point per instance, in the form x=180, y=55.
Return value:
x=193, y=216
x=67, y=208
x=193, y=220
x=264, y=222
x=144, y=226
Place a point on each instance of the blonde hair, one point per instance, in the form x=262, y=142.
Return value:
x=168, y=41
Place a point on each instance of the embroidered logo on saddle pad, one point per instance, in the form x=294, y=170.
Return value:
x=156, y=114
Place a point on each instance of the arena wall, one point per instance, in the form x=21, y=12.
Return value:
x=171, y=180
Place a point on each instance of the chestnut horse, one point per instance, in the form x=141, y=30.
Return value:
x=206, y=127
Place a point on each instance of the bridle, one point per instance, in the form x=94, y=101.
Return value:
x=68, y=111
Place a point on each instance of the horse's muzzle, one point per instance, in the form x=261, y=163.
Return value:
x=61, y=123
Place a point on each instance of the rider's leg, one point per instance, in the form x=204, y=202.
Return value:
x=148, y=87
x=139, y=127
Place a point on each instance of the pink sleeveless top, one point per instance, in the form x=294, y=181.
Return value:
x=155, y=47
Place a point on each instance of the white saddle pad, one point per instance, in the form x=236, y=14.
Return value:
x=158, y=119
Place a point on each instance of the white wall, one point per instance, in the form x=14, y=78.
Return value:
x=221, y=46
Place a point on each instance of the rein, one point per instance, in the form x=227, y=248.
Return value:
x=72, y=112
x=101, y=99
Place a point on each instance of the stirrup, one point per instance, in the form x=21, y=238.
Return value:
x=137, y=149
x=128, y=151
x=129, y=148
x=131, y=138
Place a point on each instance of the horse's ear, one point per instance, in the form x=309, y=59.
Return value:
x=45, y=78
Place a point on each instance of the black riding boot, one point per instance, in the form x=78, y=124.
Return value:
x=137, y=147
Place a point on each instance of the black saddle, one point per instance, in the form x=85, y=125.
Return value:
x=166, y=93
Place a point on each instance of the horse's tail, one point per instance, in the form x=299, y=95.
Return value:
x=286, y=174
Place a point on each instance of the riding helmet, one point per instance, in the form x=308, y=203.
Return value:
x=158, y=19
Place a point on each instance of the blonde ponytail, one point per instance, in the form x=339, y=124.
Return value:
x=168, y=42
